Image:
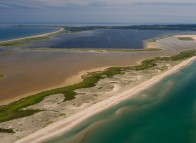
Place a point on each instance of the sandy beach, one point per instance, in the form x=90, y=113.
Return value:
x=36, y=36
x=70, y=122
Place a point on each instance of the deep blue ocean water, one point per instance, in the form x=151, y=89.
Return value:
x=11, y=32
x=165, y=113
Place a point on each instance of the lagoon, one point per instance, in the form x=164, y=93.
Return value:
x=101, y=39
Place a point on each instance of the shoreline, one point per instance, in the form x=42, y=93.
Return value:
x=68, y=123
x=70, y=81
x=35, y=36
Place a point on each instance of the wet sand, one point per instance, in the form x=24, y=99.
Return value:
x=31, y=71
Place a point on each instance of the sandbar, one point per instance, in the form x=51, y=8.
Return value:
x=36, y=36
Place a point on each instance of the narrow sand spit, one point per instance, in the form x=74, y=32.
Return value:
x=67, y=124
x=36, y=36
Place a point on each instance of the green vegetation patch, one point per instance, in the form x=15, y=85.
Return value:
x=135, y=50
x=6, y=130
x=186, y=38
x=114, y=50
x=21, y=42
x=138, y=27
x=16, y=109
x=1, y=76
x=159, y=38
x=12, y=43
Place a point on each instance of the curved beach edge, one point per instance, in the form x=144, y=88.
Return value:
x=35, y=36
x=69, y=123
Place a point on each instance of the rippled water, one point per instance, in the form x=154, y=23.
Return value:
x=165, y=113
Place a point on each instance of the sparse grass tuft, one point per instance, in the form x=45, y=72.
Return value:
x=6, y=130
x=186, y=38
x=1, y=76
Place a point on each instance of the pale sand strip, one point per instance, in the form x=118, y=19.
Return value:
x=68, y=123
x=36, y=36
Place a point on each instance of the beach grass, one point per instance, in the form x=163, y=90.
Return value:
x=1, y=75
x=6, y=130
x=186, y=38
x=22, y=42
x=134, y=50
x=159, y=38
x=116, y=50
x=16, y=109
x=12, y=43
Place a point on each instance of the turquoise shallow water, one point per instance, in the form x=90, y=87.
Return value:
x=165, y=113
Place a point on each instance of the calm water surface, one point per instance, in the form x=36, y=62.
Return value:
x=104, y=39
x=165, y=113
x=116, y=38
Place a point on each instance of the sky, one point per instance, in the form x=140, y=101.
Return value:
x=98, y=11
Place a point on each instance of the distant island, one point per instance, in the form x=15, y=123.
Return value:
x=191, y=27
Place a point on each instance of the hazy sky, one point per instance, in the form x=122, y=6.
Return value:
x=99, y=11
